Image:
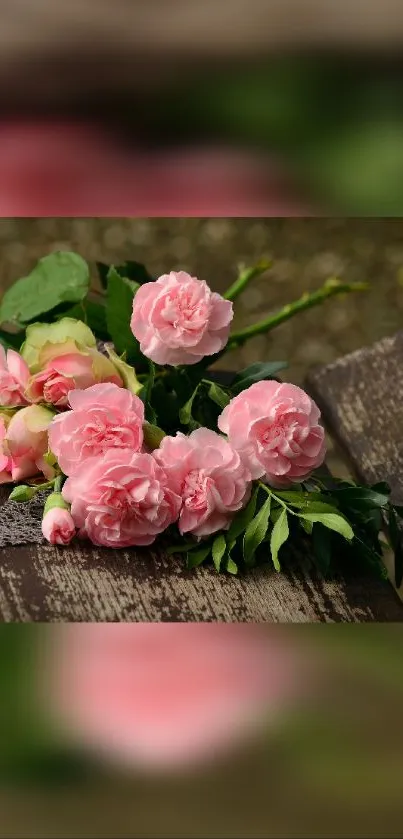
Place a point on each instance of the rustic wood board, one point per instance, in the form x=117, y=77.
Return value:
x=81, y=583
x=361, y=397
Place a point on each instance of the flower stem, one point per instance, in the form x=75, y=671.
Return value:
x=245, y=277
x=331, y=288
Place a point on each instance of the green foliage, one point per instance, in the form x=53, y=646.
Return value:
x=61, y=277
x=119, y=306
x=256, y=373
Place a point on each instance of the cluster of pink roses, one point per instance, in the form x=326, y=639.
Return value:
x=87, y=422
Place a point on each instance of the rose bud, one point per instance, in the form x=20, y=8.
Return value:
x=26, y=442
x=58, y=526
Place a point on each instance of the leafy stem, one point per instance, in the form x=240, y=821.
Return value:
x=308, y=300
x=277, y=499
x=245, y=276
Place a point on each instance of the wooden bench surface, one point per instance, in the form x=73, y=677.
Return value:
x=362, y=400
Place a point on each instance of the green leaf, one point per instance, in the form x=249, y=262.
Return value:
x=231, y=566
x=196, y=558
x=218, y=395
x=307, y=526
x=126, y=371
x=322, y=547
x=103, y=271
x=333, y=521
x=152, y=435
x=256, y=531
x=185, y=413
x=135, y=272
x=11, y=340
x=307, y=502
x=242, y=519
x=279, y=536
x=218, y=550
x=183, y=548
x=119, y=306
x=362, y=498
x=61, y=277
x=396, y=538
x=256, y=373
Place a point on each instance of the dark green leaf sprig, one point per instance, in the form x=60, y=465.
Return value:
x=343, y=521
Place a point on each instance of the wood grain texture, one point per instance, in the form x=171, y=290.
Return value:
x=361, y=397
x=81, y=583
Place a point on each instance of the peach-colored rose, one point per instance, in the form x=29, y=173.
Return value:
x=209, y=476
x=169, y=695
x=103, y=416
x=26, y=442
x=179, y=320
x=70, y=371
x=5, y=459
x=121, y=498
x=275, y=428
x=14, y=376
x=58, y=526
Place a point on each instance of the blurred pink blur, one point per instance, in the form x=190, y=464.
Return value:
x=67, y=169
x=163, y=696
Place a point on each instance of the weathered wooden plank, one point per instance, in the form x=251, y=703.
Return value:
x=361, y=396
x=81, y=583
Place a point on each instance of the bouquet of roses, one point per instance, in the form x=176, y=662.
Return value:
x=109, y=405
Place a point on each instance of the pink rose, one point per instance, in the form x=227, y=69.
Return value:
x=121, y=499
x=275, y=428
x=70, y=371
x=26, y=442
x=58, y=526
x=179, y=320
x=5, y=459
x=209, y=476
x=170, y=696
x=14, y=376
x=102, y=417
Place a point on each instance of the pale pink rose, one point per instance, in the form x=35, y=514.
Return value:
x=5, y=459
x=275, y=428
x=121, y=498
x=102, y=417
x=209, y=476
x=179, y=320
x=14, y=377
x=165, y=696
x=26, y=442
x=71, y=371
x=58, y=526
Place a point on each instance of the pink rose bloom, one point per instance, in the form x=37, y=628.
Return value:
x=275, y=428
x=179, y=320
x=102, y=417
x=14, y=376
x=169, y=696
x=26, y=442
x=209, y=476
x=5, y=459
x=121, y=499
x=75, y=370
x=58, y=526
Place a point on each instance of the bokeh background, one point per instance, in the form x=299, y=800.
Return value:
x=324, y=760
x=271, y=107
x=305, y=252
